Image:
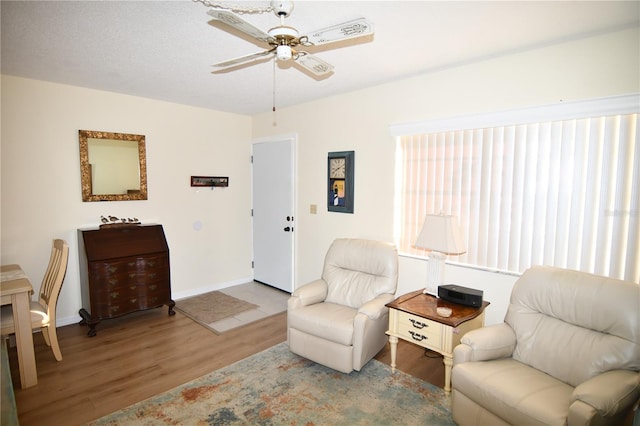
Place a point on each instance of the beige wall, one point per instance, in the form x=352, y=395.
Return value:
x=40, y=174
x=590, y=68
x=41, y=193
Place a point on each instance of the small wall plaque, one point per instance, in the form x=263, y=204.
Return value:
x=210, y=181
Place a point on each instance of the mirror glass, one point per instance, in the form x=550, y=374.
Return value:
x=112, y=166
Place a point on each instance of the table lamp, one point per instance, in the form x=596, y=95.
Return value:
x=440, y=234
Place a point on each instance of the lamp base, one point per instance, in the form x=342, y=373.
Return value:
x=430, y=292
x=435, y=272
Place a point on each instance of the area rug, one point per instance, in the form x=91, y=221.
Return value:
x=208, y=308
x=265, y=301
x=276, y=387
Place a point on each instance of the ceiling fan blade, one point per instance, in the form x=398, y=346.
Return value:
x=240, y=24
x=243, y=59
x=351, y=29
x=314, y=64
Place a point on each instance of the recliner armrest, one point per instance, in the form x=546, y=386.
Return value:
x=308, y=294
x=607, y=395
x=483, y=344
x=375, y=308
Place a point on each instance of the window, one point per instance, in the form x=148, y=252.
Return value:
x=557, y=185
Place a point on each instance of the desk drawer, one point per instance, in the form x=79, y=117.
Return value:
x=420, y=330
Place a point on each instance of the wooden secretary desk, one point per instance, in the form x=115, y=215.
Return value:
x=123, y=269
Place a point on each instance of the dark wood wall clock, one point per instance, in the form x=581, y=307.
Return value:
x=340, y=181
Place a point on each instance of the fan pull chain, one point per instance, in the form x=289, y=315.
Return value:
x=275, y=118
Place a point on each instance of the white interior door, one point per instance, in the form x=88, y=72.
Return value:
x=273, y=207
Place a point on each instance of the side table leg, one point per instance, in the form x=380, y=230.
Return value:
x=448, y=365
x=393, y=342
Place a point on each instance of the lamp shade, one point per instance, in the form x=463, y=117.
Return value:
x=441, y=233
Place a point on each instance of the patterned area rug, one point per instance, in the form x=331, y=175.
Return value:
x=276, y=387
x=212, y=307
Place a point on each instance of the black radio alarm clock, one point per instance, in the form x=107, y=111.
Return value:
x=462, y=295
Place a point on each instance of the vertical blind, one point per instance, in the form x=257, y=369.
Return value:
x=563, y=193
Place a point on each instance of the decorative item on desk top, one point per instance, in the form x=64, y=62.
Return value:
x=115, y=221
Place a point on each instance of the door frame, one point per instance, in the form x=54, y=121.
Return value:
x=293, y=137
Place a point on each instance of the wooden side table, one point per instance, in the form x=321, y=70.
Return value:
x=413, y=318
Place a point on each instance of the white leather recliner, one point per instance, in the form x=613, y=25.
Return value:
x=340, y=320
x=568, y=353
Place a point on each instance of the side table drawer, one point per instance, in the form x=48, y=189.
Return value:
x=421, y=331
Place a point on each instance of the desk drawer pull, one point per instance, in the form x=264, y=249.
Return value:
x=417, y=324
x=417, y=337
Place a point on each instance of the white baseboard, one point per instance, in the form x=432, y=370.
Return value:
x=211, y=287
x=68, y=320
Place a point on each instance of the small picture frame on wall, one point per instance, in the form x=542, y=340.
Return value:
x=340, y=176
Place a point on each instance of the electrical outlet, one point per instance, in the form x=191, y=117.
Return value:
x=313, y=209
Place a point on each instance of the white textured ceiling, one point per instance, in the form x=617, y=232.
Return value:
x=164, y=49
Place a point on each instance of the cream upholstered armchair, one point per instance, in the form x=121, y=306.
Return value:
x=568, y=353
x=340, y=320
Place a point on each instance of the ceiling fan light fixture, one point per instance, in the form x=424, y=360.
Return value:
x=283, y=33
x=283, y=53
x=284, y=41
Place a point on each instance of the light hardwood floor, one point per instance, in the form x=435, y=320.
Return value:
x=142, y=354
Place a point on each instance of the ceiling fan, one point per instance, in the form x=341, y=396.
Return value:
x=284, y=42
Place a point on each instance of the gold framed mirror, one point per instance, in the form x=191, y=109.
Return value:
x=113, y=166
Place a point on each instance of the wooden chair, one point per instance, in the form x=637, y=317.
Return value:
x=43, y=312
